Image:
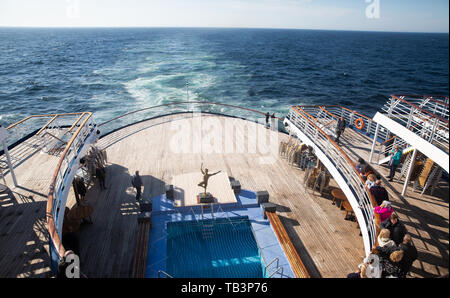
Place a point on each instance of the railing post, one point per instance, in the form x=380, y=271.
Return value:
x=374, y=142
x=435, y=125
x=411, y=167
x=411, y=114
x=391, y=107
x=8, y=159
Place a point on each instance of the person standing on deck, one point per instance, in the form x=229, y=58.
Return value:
x=137, y=183
x=272, y=122
x=81, y=188
x=340, y=127
x=267, y=119
x=100, y=173
x=394, y=162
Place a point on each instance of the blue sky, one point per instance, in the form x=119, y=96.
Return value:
x=392, y=15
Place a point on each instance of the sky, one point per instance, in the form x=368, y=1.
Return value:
x=361, y=15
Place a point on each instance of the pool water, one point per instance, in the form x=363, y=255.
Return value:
x=216, y=248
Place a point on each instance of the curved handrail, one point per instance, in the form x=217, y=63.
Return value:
x=352, y=164
x=414, y=126
x=41, y=116
x=51, y=227
x=336, y=106
x=420, y=109
x=431, y=97
x=349, y=161
x=186, y=102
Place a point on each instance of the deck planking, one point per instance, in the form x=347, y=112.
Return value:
x=328, y=245
x=317, y=228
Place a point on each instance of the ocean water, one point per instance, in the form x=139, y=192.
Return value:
x=114, y=71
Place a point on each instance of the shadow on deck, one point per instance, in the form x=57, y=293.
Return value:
x=23, y=237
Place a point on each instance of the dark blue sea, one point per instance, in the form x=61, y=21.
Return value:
x=113, y=71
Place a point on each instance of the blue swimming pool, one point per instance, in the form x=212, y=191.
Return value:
x=216, y=248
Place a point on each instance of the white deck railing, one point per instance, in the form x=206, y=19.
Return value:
x=180, y=107
x=348, y=178
x=425, y=117
x=61, y=183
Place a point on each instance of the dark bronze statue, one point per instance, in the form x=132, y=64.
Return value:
x=206, y=177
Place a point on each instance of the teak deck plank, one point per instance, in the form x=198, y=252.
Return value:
x=328, y=245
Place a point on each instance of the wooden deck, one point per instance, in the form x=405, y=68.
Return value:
x=23, y=231
x=328, y=245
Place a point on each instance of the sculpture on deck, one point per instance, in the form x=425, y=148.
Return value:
x=204, y=183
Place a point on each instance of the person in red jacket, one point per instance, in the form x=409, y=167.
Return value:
x=384, y=210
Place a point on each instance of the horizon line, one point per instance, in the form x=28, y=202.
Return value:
x=213, y=27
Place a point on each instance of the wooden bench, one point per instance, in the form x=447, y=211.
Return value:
x=140, y=251
x=297, y=265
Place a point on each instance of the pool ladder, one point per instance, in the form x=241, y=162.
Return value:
x=208, y=227
x=278, y=269
x=161, y=272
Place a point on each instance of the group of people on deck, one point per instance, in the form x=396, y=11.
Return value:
x=396, y=153
x=272, y=120
x=394, y=255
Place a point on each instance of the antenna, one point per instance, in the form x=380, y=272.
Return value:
x=187, y=91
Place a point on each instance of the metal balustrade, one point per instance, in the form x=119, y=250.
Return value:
x=57, y=128
x=40, y=124
x=425, y=116
x=333, y=112
x=61, y=183
x=309, y=125
x=173, y=108
x=437, y=105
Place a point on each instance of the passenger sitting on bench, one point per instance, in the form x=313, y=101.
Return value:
x=371, y=180
x=379, y=193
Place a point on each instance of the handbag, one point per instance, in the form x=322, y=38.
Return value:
x=391, y=161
